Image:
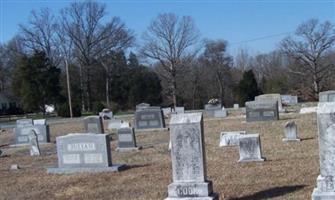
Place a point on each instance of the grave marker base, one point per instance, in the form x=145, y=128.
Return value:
x=291, y=140
x=319, y=193
x=197, y=191
x=72, y=170
x=251, y=160
x=151, y=129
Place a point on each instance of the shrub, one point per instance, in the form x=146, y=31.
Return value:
x=64, y=111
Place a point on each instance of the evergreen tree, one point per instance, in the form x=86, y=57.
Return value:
x=248, y=88
x=36, y=82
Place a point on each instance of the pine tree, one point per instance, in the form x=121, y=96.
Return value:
x=248, y=88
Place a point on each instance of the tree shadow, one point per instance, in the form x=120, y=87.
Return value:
x=270, y=193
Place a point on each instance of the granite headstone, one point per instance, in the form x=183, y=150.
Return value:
x=34, y=147
x=188, y=159
x=230, y=138
x=327, y=96
x=93, y=124
x=261, y=111
x=84, y=152
x=290, y=131
x=325, y=189
x=149, y=118
x=250, y=148
x=126, y=139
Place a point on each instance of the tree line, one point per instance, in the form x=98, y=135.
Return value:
x=173, y=64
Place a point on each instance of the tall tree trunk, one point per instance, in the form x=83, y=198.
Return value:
x=82, y=88
x=174, y=91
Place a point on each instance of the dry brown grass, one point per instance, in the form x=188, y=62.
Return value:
x=289, y=173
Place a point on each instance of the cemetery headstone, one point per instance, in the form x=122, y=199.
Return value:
x=231, y=138
x=289, y=99
x=149, y=118
x=84, y=152
x=40, y=121
x=325, y=188
x=261, y=111
x=24, y=122
x=178, y=110
x=222, y=113
x=126, y=139
x=115, y=123
x=93, y=124
x=250, y=148
x=290, y=131
x=271, y=97
x=210, y=109
x=142, y=106
x=188, y=159
x=327, y=96
x=236, y=106
x=34, y=148
x=308, y=110
x=22, y=132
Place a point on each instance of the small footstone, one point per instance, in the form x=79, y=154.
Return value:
x=14, y=167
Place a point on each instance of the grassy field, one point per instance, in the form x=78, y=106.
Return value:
x=289, y=172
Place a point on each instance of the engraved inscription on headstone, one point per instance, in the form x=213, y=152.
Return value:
x=84, y=152
x=126, y=139
x=250, y=148
x=290, y=131
x=326, y=127
x=93, y=124
x=188, y=159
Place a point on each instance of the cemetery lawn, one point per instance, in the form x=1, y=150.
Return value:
x=289, y=172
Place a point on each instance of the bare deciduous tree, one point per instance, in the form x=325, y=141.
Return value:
x=92, y=37
x=309, y=48
x=216, y=58
x=41, y=34
x=168, y=40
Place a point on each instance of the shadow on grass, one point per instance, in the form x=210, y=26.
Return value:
x=135, y=166
x=310, y=138
x=270, y=193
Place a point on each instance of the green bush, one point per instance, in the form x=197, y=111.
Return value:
x=97, y=107
x=64, y=111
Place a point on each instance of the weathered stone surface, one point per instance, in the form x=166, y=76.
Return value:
x=290, y=131
x=325, y=189
x=188, y=159
x=40, y=121
x=327, y=96
x=178, y=110
x=142, y=106
x=250, y=148
x=271, y=97
x=126, y=139
x=231, y=138
x=289, y=99
x=93, y=124
x=22, y=132
x=34, y=147
x=114, y=123
x=149, y=118
x=307, y=110
x=261, y=111
x=210, y=109
x=24, y=122
x=236, y=106
x=84, y=152
x=220, y=113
